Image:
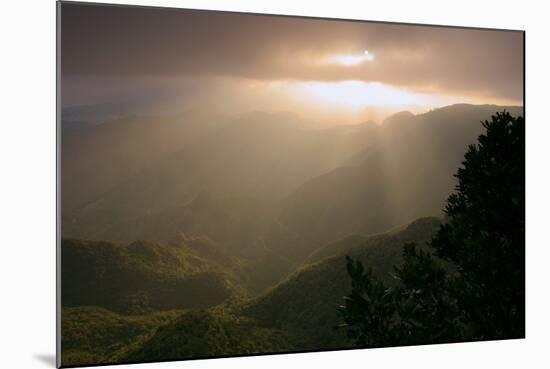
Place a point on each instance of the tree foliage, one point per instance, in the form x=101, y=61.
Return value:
x=469, y=285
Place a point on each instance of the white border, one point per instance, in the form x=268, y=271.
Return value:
x=27, y=209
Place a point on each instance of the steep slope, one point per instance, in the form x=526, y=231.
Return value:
x=204, y=334
x=406, y=175
x=236, y=223
x=304, y=305
x=100, y=155
x=94, y=335
x=298, y=314
x=258, y=155
x=141, y=276
x=233, y=230
x=341, y=181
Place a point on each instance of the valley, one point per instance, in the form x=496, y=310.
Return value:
x=231, y=237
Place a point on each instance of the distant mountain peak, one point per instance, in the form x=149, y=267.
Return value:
x=405, y=114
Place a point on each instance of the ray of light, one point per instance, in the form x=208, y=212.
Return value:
x=359, y=94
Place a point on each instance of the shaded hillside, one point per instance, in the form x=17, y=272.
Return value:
x=256, y=155
x=204, y=334
x=304, y=305
x=406, y=175
x=100, y=155
x=140, y=277
x=470, y=283
x=235, y=270
x=388, y=174
x=234, y=232
x=298, y=314
x=93, y=335
x=237, y=223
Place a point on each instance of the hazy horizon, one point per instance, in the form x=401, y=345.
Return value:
x=332, y=72
x=219, y=170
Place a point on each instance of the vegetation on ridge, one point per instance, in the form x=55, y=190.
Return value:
x=481, y=294
x=233, y=275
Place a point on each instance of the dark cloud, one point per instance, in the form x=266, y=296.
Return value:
x=153, y=42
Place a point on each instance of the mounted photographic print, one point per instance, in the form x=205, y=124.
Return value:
x=238, y=184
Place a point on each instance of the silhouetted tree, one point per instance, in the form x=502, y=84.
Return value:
x=369, y=310
x=485, y=235
x=470, y=283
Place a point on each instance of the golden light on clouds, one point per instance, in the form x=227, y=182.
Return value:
x=282, y=63
x=356, y=95
x=350, y=59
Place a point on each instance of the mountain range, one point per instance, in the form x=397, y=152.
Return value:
x=204, y=235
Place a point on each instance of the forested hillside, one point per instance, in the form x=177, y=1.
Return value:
x=297, y=314
x=232, y=239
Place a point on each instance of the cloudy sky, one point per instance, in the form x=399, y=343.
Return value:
x=111, y=53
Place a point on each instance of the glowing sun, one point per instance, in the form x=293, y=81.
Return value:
x=350, y=59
